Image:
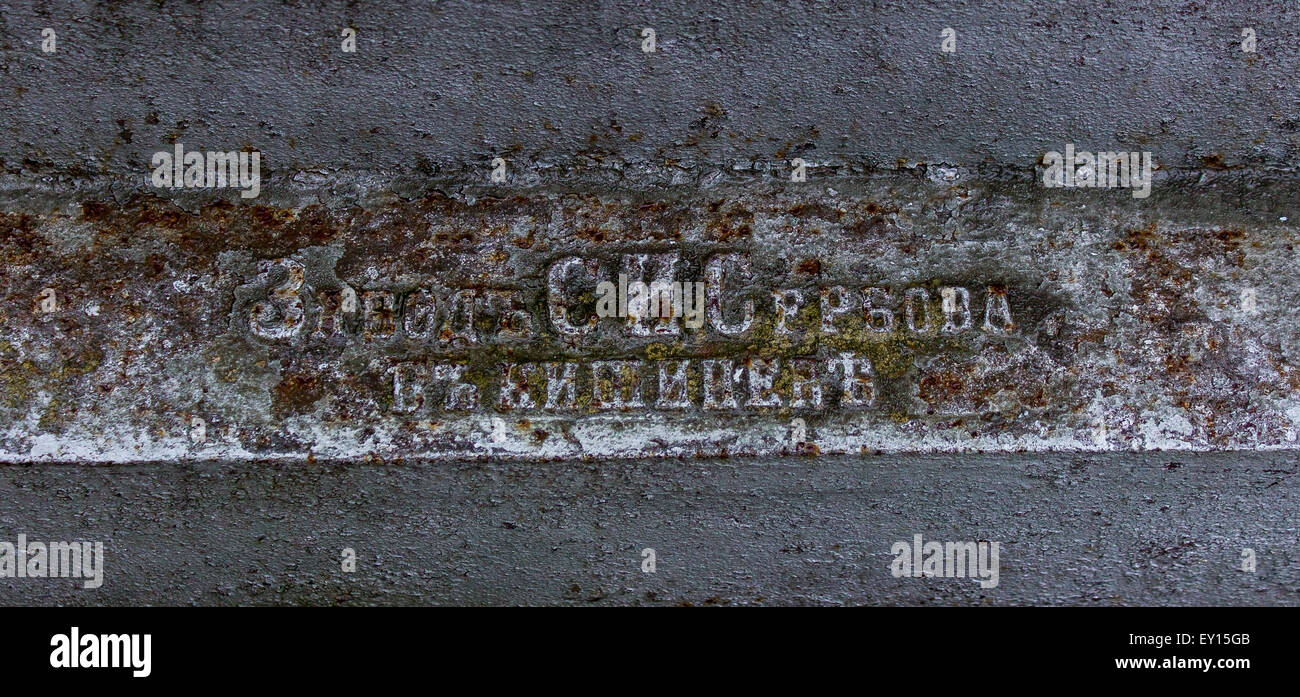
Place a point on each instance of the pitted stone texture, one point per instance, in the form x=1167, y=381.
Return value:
x=443, y=87
x=251, y=331
x=1074, y=529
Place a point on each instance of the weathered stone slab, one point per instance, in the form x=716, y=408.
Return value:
x=1075, y=529
x=895, y=313
x=443, y=87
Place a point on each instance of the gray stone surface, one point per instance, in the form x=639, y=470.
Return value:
x=1151, y=372
x=445, y=86
x=978, y=316
x=1073, y=528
